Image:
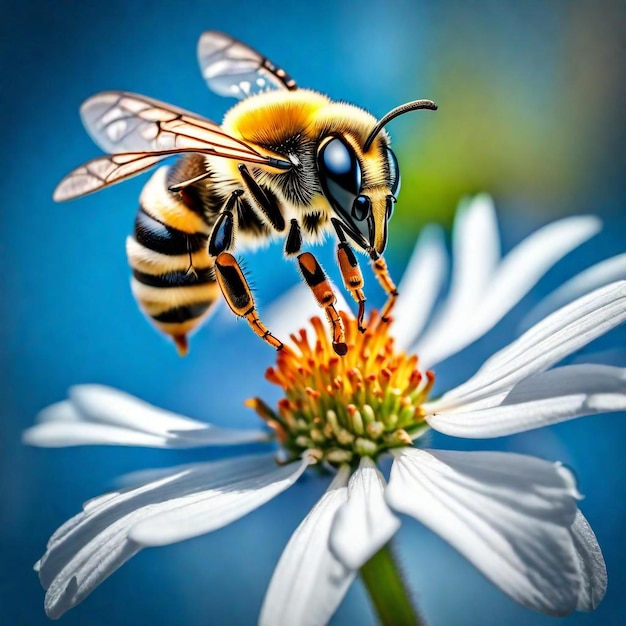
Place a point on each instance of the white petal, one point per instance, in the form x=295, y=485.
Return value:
x=63, y=411
x=592, y=567
x=510, y=515
x=143, y=476
x=111, y=406
x=598, y=305
x=509, y=282
x=364, y=524
x=554, y=338
x=62, y=434
x=476, y=251
x=92, y=545
x=309, y=582
x=476, y=248
x=598, y=275
x=546, y=398
x=420, y=285
x=527, y=263
x=216, y=507
x=95, y=414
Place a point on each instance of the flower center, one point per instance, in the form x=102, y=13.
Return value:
x=343, y=408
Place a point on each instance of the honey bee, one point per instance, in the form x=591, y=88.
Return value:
x=286, y=162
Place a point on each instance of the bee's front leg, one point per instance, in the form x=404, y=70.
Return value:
x=379, y=265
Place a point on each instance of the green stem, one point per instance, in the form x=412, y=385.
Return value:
x=387, y=591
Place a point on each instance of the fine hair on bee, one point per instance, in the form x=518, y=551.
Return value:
x=286, y=164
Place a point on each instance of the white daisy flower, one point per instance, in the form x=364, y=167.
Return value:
x=515, y=517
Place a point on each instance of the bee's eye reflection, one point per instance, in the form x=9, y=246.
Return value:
x=361, y=208
x=338, y=163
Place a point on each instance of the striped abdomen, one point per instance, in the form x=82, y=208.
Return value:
x=173, y=279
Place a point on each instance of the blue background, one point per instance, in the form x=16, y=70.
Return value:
x=531, y=101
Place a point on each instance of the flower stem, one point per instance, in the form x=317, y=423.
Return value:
x=387, y=590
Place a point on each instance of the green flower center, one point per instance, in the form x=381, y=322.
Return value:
x=343, y=408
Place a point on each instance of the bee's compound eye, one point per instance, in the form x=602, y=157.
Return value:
x=338, y=163
x=394, y=172
x=340, y=177
x=361, y=208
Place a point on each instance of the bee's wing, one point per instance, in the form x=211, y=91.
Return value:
x=119, y=121
x=102, y=172
x=140, y=132
x=231, y=68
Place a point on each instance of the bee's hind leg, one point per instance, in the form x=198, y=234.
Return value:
x=238, y=296
x=319, y=285
x=229, y=275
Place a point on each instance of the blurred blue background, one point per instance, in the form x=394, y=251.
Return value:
x=532, y=97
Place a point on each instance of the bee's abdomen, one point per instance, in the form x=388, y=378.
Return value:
x=156, y=235
x=173, y=278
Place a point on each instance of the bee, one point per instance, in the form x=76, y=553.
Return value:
x=285, y=163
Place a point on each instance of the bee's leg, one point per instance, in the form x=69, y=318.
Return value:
x=238, y=296
x=352, y=278
x=228, y=274
x=293, y=242
x=317, y=281
x=379, y=265
x=319, y=285
x=221, y=238
x=264, y=198
x=351, y=273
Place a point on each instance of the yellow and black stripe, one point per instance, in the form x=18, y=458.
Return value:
x=173, y=275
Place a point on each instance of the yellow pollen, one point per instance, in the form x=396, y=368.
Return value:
x=361, y=404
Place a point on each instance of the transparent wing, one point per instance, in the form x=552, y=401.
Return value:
x=140, y=132
x=104, y=171
x=126, y=122
x=231, y=68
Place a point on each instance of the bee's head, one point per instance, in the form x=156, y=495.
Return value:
x=363, y=210
x=361, y=183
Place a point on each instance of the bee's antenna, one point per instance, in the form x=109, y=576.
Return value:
x=403, y=108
